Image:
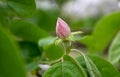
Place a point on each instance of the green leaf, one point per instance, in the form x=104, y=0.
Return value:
x=106, y=68
x=88, y=41
x=104, y=32
x=11, y=64
x=23, y=8
x=31, y=54
x=33, y=65
x=46, y=42
x=69, y=58
x=3, y=15
x=46, y=19
x=27, y=31
x=88, y=64
x=47, y=45
x=91, y=67
x=85, y=24
x=54, y=52
x=61, y=2
x=67, y=68
x=114, y=51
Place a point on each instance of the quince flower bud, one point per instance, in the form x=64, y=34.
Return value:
x=62, y=29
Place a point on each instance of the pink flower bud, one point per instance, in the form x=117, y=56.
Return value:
x=62, y=29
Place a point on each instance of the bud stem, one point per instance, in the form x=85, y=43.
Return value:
x=67, y=46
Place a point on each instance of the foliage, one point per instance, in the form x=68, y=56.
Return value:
x=103, y=33
x=10, y=56
x=27, y=39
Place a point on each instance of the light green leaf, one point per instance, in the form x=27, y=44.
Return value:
x=106, y=69
x=24, y=8
x=11, y=64
x=69, y=58
x=88, y=41
x=67, y=68
x=27, y=31
x=114, y=51
x=88, y=64
x=85, y=24
x=103, y=33
x=105, y=30
x=91, y=67
x=46, y=42
x=54, y=52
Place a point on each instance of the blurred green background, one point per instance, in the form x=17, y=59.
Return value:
x=27, y=31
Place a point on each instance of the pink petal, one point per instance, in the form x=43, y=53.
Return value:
x=62, y=29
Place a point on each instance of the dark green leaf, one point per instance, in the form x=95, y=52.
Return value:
x=27, y=31
x=46, y=19
x=23, y=8
x=67, y=68
x=61, y=2
x=29, y=49
x=11, y=64
x=3, y=15
x=33, y=65
x=31, y=54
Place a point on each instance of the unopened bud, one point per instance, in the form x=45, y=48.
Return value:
x=62, y=29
